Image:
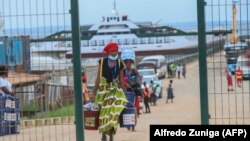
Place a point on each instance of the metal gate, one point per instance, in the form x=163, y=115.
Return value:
x=228, y=88
x=41, y=43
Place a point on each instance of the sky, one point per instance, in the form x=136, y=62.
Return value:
x=39, y=13
x=164, y=11
x=45, y=12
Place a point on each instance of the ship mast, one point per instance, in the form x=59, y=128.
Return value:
x=234, y=37
x=114, y=11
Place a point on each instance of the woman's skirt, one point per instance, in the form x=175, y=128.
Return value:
x=112, y=101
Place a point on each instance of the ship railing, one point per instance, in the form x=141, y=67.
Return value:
x=134, y=41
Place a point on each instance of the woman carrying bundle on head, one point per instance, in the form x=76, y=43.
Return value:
x=132, y=82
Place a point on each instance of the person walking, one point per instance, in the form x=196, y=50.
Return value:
x=178, y=70
x=109, y=91
x=169, y=70
x=184, y=71
x=146, y=96
x=170, y=94
x=239, y=76
x=132, y=82
x=229, y=80
x=153, y=97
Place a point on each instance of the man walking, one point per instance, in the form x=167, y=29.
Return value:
x=179, y=69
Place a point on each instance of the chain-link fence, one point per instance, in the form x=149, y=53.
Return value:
x=36, y=46
x=228, y=71
x=41, y=76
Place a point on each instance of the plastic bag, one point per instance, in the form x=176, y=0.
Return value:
x=91, y=106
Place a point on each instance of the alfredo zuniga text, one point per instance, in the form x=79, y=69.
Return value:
x=191, y=133
x=162, y=132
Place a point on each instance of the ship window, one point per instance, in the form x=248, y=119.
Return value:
x=85, y=43
x=148, y=31
x=134, y=41
x=106, y=42
x=119, y=42
x=108, y=19
x=126, y=41
x=151, y=40
x=93, y=43
x=124, y=18
x=166, y=40
x=143, y=41
x=110, y=33
x=113, y=26
x=159, y=40
x=101, y=42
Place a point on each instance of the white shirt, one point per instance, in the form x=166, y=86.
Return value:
x=4, y=82
x=179, y=68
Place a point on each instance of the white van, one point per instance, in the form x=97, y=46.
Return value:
x=161, y=70
x=243, y=63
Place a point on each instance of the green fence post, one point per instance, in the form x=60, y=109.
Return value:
x=77, y=69
x=202, y=62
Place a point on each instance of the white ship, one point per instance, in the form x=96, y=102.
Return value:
x=145, y=38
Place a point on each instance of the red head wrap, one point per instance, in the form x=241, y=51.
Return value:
x=110, y=47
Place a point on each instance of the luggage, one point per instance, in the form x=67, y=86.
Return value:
x=91, y=120
x=91, y=116
x=127, y=117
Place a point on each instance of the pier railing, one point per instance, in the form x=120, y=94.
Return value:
x=212, y=47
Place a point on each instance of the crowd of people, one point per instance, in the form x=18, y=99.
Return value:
x=174, y=69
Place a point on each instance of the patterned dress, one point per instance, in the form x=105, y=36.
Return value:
x=110, y=97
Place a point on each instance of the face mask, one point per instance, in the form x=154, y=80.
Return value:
x=113, y=58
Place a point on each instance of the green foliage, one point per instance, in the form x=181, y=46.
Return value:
x=68, y=110
x=30, y=107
